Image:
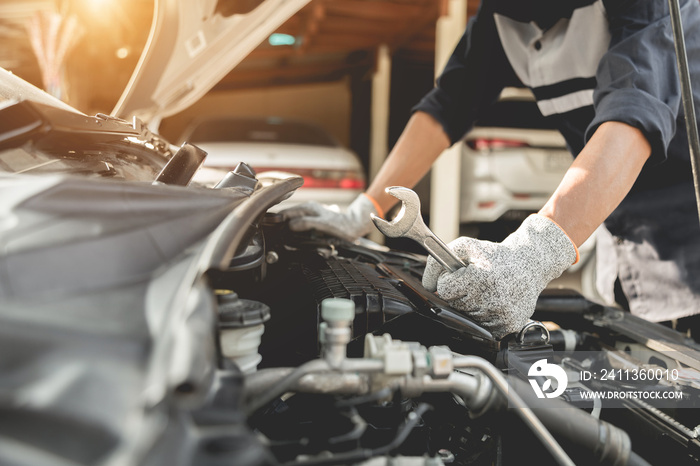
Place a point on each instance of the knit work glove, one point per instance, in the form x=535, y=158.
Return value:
x=350, y=225
x=500, y=286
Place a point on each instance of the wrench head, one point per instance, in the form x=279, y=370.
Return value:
x=405, y=219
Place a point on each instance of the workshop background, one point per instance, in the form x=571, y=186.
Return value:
x=353, y=67
x=325, y=75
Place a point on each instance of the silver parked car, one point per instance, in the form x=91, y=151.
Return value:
x=332, y=174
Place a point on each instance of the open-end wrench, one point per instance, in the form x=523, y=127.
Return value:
x=409, y=223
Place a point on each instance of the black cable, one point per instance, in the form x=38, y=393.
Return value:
x=370, y=397
x=362, y=454
x=282, y=386
x=403, y=434
x=356, y=433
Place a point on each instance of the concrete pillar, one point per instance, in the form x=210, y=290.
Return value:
x=445, y=174
x=379, y=129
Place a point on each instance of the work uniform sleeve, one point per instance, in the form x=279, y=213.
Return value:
x=637, y=78
x=473, y=78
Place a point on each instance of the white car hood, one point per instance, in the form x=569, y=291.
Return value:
x=190, y=48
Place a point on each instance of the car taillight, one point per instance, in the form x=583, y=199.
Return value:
x=328, y=179
x=521, y=196
x=486, y=204
x=494, y=143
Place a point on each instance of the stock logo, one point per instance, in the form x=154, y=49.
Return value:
x=551, y=371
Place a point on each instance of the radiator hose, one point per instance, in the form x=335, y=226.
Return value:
x=606, y=443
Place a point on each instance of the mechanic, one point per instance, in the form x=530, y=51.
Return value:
x=605, y=72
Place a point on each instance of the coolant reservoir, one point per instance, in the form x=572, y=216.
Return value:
x=241, y=326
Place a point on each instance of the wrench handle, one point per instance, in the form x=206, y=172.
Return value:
x=444, y=255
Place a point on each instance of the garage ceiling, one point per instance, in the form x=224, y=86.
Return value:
x=333, y=38
x=339, y=37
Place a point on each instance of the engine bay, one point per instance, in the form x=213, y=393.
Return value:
x=402, y=381
x=194, y=327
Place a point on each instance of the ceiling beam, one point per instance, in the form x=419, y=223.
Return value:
x=357, y=26
x=316, y=14
x=427, y=18
x=372, y=10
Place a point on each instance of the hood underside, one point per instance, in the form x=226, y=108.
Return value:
x=191, y=47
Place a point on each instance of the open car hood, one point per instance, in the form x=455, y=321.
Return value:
x=192, y=46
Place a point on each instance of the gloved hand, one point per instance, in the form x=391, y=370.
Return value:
x=350, y=225
x=500, y=286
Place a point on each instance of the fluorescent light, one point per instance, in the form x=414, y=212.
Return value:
x=281, y=39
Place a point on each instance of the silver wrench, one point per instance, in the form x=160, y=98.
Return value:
x=409, y=223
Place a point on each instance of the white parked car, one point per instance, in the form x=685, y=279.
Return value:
x=332, y=174
x=513, y=161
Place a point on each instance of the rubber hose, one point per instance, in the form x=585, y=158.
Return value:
x=607, y=444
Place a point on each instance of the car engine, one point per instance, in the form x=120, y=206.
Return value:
x=153, y=324
x=401, y=378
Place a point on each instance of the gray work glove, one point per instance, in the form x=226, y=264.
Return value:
x=500, y=286
x=350, y=225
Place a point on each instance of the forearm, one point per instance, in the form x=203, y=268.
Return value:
x=421, y=142
x=598, y=180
